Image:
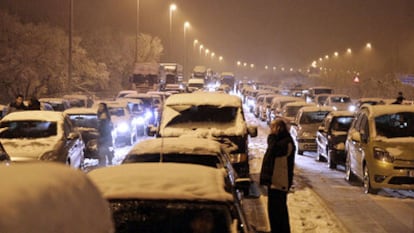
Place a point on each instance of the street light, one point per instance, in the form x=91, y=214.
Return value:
x=201, y=48
x=186, y=26
x=368, y=46
x=220, y=58
x=206, y=52
x=349, y=51
x=173, y=7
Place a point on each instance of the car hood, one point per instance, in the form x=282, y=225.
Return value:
x=400, y=148
x=28, y=149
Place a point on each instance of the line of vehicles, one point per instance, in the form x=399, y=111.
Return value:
x=371, y=137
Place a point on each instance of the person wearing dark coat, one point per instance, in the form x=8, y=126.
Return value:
x=34, y=104
x=277, y=174
x=105, y=133
x=17, y=105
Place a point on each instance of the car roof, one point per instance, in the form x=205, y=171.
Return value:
x=341, y=113
x=299, y=103
x=316, y=108
x=378, y=110
x=168, y=181
x=186, y=145
x=53, y=100
x=37, y=115
x=81, y=111
x=42, y=197
x=204, y=98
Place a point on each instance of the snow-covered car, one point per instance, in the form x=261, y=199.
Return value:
x=86, y=122
x=380, y=146
x=58, y=104
x=79, y=100
x=291, y=109
x=41, y=135
x=275, y=108
x=170, y=197
x=209, y=115
x=305, y=126
x=368, y=101
x=124, y=127
x=191, y=150
x=50, y=198
x=331, y=137
x=3, y=110
x=152, y=104
x=123, y=93
x=340, y=102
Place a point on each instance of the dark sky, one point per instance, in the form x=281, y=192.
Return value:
x=290, y=32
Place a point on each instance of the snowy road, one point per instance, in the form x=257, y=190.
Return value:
x=389, y=211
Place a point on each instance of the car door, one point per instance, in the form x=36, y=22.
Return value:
x=352, y=144
x=362, y=146
x=73, y=145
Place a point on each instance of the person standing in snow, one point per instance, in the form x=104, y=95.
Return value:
x=105, y=134
x=277, y=174
x=17, y=105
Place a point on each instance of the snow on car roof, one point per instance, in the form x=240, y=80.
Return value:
x=34, y=115
x=72, y=111
x=52, y=100
x=161, y=181
x=188, y=145
x=204, y=98
x=299, y=103
x=316, y=108
x=342, y=113
x=49, y=198
x=378, y=110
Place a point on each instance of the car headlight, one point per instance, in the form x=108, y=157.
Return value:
x=383, y=155
x=122, y=127
x=138, y=121
x=352, y=108
x=148, y=115
x=50, y=155
x=335, y=108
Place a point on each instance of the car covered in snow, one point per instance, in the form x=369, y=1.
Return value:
x=331, y=137
x=305, y=126
x=41, y=135
x=380, y=147
x=340, y=102
x=58, y=104
x=183, y=149
x=170, y=197
x=50, y=198
x=209, y=115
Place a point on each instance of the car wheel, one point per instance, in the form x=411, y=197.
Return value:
x=331, y=163
x=367, y=183
x=349, y=174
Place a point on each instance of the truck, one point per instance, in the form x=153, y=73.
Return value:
x=173, y=73
x=228, y=78
x=146, y=76
x=200, y=72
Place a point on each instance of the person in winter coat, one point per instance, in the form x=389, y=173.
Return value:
x=34, y=104
x=277, y=174
x=17, y=105
x=105, y=133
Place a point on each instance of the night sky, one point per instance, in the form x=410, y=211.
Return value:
x=290, y=33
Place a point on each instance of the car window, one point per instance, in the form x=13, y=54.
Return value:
x=28, y=129
x=116, y=111
x=206, y=160
x=205, y=113
x=84, y=120
x=170, y=216
x=313, y=117
x=395, y=125
x=341, y=123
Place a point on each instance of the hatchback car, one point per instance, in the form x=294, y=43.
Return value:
x=58, y=104
x=209, y=115
x=331, y=137
x=50, y=198
x=340, y=102
x=41, y=135
x=170, y=197
x=305, y=126
x=380, y=147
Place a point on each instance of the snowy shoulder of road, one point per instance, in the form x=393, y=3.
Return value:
x=307, y=212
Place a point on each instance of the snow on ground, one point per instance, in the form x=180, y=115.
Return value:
x=307, y=212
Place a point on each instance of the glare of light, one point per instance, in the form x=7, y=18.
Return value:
x=221, y=58
x=201, y=47
x=326, y=56
x=238, y=63
x=283, y=68
x=314, y=64
x=274, y=67
x=252, y=65
x=320, y=59
x=291, y=69
x=266, y=67
x=300, y=70
x=336, y=54
x=186, y=24
x=368, y=46
x=245, y=64
x=173, y=7
x=349, y=51
x=195, y=42
x=213, y=54
x=207, y=52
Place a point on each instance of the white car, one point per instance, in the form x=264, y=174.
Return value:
x=41, y=135
x=340, y=103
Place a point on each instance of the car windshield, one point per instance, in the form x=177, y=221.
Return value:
x=291, y=111
x=395, y=125
x=28, y=129
x=84, y=120
x=116, y=111
x=313, y=117
x=206, y=160
x=342, y=123
x=205, y=113
x=172, y=216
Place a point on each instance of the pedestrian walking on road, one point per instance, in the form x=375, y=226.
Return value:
x=105, y=145
x=277, y=174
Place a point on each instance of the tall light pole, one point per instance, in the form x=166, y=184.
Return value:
x=137, y=32
x=70, y=44
x=186, y=26
x=173, y=7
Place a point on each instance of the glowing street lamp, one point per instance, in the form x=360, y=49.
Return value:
x=173, y=7
x=206, y=52
x=238, y=63
x=201, y=48
x=368, y=46
x=220, y=58
x=336, y=54
x=349, y=51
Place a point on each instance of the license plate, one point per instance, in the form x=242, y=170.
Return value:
x=411, y=173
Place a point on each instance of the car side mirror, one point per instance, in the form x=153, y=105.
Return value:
x=356, y=136
x=252, y=130
x=151, y=130
x=248, y=187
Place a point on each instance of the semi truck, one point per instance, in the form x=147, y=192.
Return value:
x=173, y=73
x=146, y=76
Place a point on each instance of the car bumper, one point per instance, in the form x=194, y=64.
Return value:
x=306, y=145
x=392, y=175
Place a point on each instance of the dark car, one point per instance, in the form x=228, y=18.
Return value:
x=331, y=137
